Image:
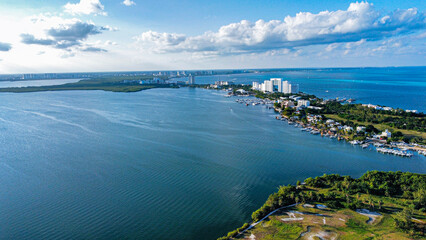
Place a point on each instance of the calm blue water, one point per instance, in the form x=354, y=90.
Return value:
x=403, y=87
x=157, y=164
x=36, y=83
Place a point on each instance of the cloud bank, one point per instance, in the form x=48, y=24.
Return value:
x=85, y=7
x=4, y=47
x=67, y=34
x=360, y=21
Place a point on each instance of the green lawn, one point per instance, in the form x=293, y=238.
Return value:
x=379, y=126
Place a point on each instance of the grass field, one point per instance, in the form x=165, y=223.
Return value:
x=381, y=127
x=326, y=224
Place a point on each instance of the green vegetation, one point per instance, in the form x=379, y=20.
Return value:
x=112, y=84
x=398, y=134
x=405, y=126
x=275, y=229
x=399, y=198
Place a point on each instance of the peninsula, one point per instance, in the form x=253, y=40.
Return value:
x=110, y=83
x=398, y=130
x=383, y=205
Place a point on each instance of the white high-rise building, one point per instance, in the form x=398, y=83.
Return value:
x=285, y=87
x=277, y=84
x=269, y=86
x=256, y=86
x=191, y=79
x=294, y=88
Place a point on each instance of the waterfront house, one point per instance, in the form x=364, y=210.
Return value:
x=242, y=91
x=386, y=134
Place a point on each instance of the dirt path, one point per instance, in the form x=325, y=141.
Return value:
x=254, y=224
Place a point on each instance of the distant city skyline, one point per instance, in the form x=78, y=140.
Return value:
x=136, y=35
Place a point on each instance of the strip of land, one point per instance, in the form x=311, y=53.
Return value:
x=111, y=84
x=378, y=205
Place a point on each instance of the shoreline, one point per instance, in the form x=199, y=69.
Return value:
x=366, y=141
x=398, y=148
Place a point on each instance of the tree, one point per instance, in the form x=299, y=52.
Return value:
x=403, y=219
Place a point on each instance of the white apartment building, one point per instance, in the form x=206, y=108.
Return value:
x=276, y=85
x=286, y=87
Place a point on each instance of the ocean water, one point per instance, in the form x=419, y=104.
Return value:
x=401, y=87
x=157, y=164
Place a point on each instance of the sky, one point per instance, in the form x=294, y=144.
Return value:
x=141, y=35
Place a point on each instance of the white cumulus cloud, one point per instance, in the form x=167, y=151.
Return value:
x=85, y=7
x=129, y=3
x=61, y=33
x=360, y=22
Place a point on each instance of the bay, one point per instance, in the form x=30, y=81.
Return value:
x=157, y=164
x=36, y=83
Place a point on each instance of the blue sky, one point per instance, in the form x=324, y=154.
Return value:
x=117, y=35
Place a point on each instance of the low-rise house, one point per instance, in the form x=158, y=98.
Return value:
x=386, y=134
x=313, y=107
x=287, y=104
x=360, y=129
x=241, y=91
x=348, y=128
x=412, y=111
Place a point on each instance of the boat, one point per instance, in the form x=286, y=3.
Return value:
x=365, y=145
x=394, y=151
